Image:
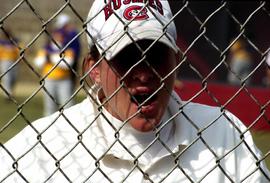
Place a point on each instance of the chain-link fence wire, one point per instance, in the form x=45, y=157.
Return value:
x=212, y=28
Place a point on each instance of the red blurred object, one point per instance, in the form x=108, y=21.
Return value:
x=251, y=105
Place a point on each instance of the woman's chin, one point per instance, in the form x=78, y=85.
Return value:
x=143, y=124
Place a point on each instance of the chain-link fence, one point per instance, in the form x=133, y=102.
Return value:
x=219, y=42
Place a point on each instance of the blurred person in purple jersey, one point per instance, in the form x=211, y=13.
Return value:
x=65, y=25
x=9, y=53
x=55, y=66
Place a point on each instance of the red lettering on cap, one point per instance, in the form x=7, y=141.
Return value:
x=110, y=6
x=132, y=1
x=107, y=11
x=132, y=11
x=137, y=1
x=159, y=7
x=126, y=1
x=135, y=12
x=156, y=4
x=116, y=4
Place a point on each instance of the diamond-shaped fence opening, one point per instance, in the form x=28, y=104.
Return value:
x=222, y=62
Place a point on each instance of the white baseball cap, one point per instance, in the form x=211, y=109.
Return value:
x=114, y=24
x=62, y=20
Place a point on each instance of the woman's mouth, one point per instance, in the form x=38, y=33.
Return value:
x=143, y=99
x=146, y=102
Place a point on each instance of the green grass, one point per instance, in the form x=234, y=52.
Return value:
x=17, y=114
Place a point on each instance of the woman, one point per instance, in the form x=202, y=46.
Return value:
x=133, y=127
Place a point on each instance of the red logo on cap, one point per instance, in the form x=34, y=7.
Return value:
x=136, y=12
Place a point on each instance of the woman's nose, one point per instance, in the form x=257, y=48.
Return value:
x=143, y=74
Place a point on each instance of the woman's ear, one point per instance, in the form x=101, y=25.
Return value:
x=89, y=65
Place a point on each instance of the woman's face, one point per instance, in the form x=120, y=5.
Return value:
x=139, y=84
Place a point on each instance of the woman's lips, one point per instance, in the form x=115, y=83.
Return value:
x=141, y=94
x=150, y=109
x=143, y=100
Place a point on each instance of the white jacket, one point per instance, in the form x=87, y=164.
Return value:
x=195, y=143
